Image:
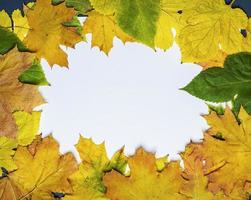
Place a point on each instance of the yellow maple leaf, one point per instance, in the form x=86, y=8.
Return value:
x=6, y=152
x=28, y=125
x=209, y=27
x=103, y=29
x=48, y=32
x=87, y=181
x=43, y=171
x=226, y=149
x=13, y=94
x=145, y=182
x=196, y=181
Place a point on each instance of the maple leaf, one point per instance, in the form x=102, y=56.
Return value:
x=6, y=152
x=13, y=94
x=103, y=29
x=223, y=84
x=28, y=125
x=206, y=32
x=87, y=181
x=196, y=181
x=145, y=182
x=48, y=32
x=226, y=150
x=43, y=172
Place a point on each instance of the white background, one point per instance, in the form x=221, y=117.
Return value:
x=130, y=98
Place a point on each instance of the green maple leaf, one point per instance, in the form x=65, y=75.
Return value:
x=224, y=84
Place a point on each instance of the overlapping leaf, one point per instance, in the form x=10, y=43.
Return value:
x=48, y=32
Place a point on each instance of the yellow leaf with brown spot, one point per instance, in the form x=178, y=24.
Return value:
x=145, y=182
x=48, y=32
x=103, y=29
x=44, y=171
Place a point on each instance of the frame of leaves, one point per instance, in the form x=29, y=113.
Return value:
x=213, y=33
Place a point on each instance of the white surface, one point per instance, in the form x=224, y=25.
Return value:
x=130, y=98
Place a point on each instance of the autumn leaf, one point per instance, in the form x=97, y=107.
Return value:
x=43, y=174
x=139, y=19
x=8, y=125
x=87, y=181
x=224, y=84
x=168, y=20
x=13, y=94
x=209, y=26
x=106, y=7
x=7, y=146
x=28, y=126
x=103, y=29
x=226, y=150
x=196, y=181
x=8, y=189
x=48, y=32
x=145, y=182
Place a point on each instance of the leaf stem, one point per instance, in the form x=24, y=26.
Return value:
x=232, y=2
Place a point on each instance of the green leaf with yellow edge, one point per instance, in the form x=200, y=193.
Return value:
x=34, y=75
x=211, y=26
x=139, y=19
x=145, y=182
x=42, y=171
x=28, y=126
x=7, y=146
